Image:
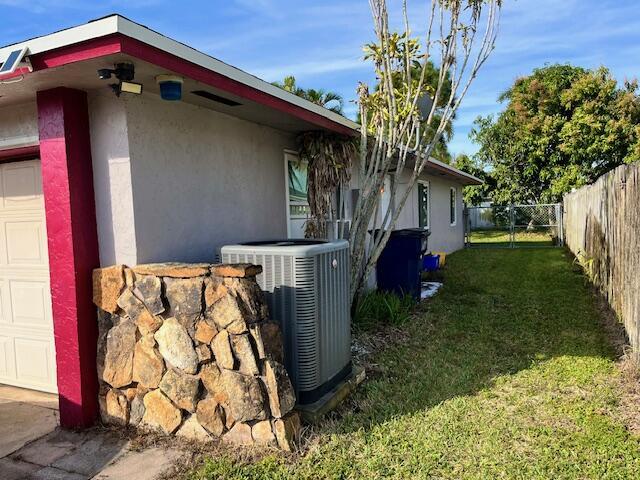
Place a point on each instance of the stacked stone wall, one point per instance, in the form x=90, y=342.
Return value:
x=190, y=349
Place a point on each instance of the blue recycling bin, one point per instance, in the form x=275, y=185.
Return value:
x=399, y=266
x=430, y=263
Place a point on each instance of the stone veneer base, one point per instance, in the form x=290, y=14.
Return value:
x=189, y=349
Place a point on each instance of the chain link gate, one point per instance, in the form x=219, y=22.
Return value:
x=514, y=226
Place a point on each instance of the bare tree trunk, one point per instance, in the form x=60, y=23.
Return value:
x=393, y=129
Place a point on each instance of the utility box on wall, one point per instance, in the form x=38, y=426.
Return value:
x=307, y=287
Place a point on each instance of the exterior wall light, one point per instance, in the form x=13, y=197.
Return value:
x=124, y=72
x=170, y=87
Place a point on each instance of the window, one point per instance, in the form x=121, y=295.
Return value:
x=423, y=204
x=297, y=179
x=296, y=195
x=452, y=206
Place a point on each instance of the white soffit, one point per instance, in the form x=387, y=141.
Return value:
x=118, y=24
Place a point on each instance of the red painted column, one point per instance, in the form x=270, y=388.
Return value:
x=67, y=182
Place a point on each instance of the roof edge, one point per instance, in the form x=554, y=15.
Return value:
x=470, y=179
x=118, y=24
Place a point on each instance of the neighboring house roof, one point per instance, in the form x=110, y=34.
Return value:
x=436, y=167
x=463, y=177
x=117, y=37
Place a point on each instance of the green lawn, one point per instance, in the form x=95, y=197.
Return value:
x=502, y=238
x=507, y=373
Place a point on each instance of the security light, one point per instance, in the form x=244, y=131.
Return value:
x=126, y=87
x=125, y=73
x=105, y=73
x=130, y=87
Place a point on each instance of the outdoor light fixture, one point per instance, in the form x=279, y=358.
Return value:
x=170, y=86
x=125, y=73
x=130, y=87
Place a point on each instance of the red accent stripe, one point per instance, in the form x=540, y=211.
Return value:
x=118, y=43
x=78, y=52
x=19, y=153
x=183, y=67
x=67, y=184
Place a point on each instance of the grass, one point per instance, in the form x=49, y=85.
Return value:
x=507, y=373
x=502, y=238
x=378, y=309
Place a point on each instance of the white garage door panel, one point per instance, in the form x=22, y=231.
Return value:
x=25, y=243
x=27, y=351
x=7, y=358
x=34, y=361
x=29, y=304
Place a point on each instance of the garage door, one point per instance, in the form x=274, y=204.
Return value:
x=27, y=352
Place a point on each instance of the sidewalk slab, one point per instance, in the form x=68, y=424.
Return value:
x=24, y=395
x=92, y=452
x=148, y=464
x=21, y=423
x=16, y=470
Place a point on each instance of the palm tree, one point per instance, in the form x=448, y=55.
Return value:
x=330, y=100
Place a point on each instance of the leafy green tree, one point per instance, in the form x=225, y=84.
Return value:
x=475, y=194
x=330, y=100
x=563, y=127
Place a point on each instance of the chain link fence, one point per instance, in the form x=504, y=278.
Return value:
x=514, y=226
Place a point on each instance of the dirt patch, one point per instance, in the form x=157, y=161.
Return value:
x=630, y=394
x=366, y=346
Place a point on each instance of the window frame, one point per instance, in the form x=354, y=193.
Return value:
x=288, y=203
x=427, y=184
x=453, y=206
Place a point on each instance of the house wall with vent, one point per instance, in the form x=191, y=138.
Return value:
x=201, y=179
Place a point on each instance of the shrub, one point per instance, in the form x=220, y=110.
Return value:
x=377, y=309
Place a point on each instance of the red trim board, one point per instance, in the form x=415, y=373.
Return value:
x=78, y=52
x=118, y=43
x=67, y=183
x=19, y=153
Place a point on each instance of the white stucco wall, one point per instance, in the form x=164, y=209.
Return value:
x=173, y=182
x=444, y=237
x=112, y=178
x=202, y=179
x=18, y=125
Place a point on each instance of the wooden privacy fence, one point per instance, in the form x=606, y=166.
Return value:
x=602, y=228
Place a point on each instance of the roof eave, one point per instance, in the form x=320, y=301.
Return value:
x=117, y=34
x=464, y=178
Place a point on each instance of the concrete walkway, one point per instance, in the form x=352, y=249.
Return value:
x=33, y=447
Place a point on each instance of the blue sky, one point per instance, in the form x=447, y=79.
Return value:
x=320, y=42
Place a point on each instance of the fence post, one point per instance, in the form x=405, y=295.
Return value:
x=560, y=222
x=467, y=221
x=512, y=227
